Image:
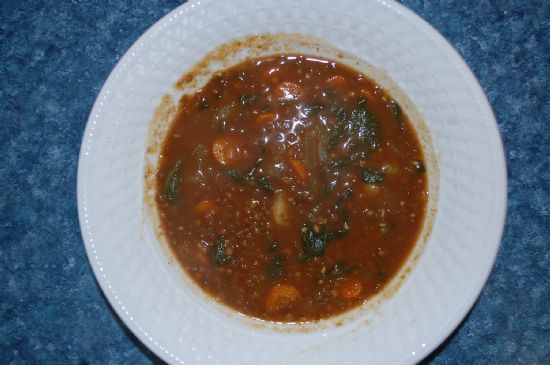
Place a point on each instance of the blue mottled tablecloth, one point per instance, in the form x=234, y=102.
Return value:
x=54, y=58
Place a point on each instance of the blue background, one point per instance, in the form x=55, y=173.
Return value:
x=54, y=58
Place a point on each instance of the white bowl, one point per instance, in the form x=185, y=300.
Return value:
x=180, y=325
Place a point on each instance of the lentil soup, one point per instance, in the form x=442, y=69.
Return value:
x=291, y=187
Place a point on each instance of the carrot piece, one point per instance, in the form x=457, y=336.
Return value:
x=287, y=91
x=351, y=288
x=266, y=118
x=336, y=81
x=225, y=150
x=281, y=296
x=204, y=207
x=299, y=169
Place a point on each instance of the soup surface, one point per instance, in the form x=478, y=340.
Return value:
x=291, y=188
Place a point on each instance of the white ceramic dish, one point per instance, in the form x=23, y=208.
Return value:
x=447, y=278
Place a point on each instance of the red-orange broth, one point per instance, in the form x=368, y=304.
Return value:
x=291, y=188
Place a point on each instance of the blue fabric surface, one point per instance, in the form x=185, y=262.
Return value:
x=54, y=58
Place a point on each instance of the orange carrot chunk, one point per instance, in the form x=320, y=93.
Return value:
x=351, y=288
x=226, y=150
x=299, y=169
x=266, y=118
x=281, y=296
x=204, y=207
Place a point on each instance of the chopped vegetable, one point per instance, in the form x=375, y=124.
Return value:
x=299, y=169
x=395, y=109
x=280, y=209
x=204, y=207
x=171, y=192
x=237, y=176
x=372, y=176
x=344, y=196
x=314, y=243
x=218, y=253
x=280, y=297
x=351, y=288
x=338, y=131
x=365, y=127
x=266, y=118
x=263, y=183
x=226, y=150
x=276, y=267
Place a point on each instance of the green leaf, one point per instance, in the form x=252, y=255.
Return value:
x=365, y=128
x=236, y=175
x=395, y=109
x=339, y=129
x=372, y=176
x=343, y=197
x=276, y=267
x=263, y=183
x=218, y=253
x=171, y=192
x=314, y=243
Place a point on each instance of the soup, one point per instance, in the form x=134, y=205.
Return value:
x=291, y=188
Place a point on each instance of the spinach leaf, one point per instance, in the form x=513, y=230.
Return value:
x=246, y=178
x=171, y=192
x=314, y=243
x=237, y=176
x=365, y=127
x=345, y=196
x=276, y=267
x=263, y=183
x=372, y=176
x=338, y=131
x=218, y=253
x=395, y=109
